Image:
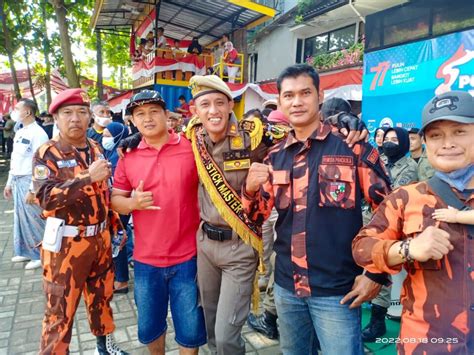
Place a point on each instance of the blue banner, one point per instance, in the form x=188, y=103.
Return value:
x=397, y=82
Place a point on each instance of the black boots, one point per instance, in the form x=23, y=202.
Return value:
x=265, y=324
x=376, y=327
x=106, y=346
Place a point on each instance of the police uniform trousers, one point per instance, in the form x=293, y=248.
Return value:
x=83, y=265
x=226, y=274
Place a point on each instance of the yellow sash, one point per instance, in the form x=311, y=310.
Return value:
x=223, y=196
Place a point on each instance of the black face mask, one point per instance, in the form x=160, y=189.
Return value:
x=391, y=149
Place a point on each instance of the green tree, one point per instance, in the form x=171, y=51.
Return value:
x=36, y=37
x=71, y=73
x=115, y=53
x=46, y=50
x=24, y=17
x=8, y=45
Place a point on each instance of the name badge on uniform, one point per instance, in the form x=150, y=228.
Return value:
x=67, y=163
x=237, y=160
x=237, y=164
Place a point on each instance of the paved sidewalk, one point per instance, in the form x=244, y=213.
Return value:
x=22, y=306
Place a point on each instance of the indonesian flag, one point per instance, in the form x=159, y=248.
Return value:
x=344, y=83
x=147, y=25
x=189, y=63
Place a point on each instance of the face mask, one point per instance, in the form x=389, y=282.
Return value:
x=108, y=143
x=15, y=116
x=102, y=121
x=390, y=149
x=459, y=179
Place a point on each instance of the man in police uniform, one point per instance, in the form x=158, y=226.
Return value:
x=227, y=252
x=70, y=178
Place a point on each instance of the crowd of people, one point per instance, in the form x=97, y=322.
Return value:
x=290, y=199
x=224, y=52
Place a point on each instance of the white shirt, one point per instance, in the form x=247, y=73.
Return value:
x=25, y=144
x=161, y=42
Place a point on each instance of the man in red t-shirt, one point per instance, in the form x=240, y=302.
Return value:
x=157, y=183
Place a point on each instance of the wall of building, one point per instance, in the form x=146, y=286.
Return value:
x=276, y=51
x=289, y=4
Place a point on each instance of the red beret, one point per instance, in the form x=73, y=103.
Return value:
x=69, y=97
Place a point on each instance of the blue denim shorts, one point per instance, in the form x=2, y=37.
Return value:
x=154, y=287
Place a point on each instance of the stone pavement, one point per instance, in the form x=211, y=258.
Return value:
x=22, y=306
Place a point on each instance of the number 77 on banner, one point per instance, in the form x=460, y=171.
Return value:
x=379, y=77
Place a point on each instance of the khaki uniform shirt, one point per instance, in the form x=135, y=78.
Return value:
x=235, y=178
x=8, y=129
x=403, y=172
x=424, y=168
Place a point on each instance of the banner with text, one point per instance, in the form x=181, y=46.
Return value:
x=398, y=81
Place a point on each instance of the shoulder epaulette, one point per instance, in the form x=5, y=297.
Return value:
x=277, y=132
x=254, y=127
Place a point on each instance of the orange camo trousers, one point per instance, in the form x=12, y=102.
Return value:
x=83, y=265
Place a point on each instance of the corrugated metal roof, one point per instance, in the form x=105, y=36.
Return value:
x=181, y=19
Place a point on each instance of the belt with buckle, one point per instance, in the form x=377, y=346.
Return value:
x=84, y=231
x=216, y=233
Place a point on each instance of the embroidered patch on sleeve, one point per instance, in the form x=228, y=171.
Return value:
x=41, y=172
x=372, y=156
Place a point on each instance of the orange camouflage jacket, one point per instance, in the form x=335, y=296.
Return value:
x=63, y=186
x=437, y=295
x=316, y=187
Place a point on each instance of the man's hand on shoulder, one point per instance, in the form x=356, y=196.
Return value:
x=128, y=144
x=350, y=126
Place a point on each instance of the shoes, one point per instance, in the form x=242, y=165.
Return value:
x=265, y=324
x=123, y=290
x=33, y=264
x=106, y=346
x=120, y=287
x=18, y=259
x=376, y=327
